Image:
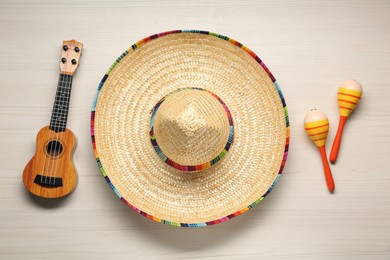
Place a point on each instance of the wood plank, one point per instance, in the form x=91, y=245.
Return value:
x=310, y=46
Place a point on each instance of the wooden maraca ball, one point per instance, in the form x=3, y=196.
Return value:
x=349, y=95
x=317, y=127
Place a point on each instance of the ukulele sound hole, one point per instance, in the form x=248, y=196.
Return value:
x=54, y=148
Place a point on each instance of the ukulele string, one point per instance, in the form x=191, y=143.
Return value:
x=49, y=140
x=56, y=129
x=67, y=83
x=63, y=113
x=59, y=108
x=55, y=135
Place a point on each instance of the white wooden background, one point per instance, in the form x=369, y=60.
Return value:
x=310, y=46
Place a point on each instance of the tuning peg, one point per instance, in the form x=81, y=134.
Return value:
x=65, y=47
x=76, y=49
x=63, y=60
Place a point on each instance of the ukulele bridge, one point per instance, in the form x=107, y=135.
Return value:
x=47, y=181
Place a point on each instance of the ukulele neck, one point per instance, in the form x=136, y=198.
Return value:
x=59, y=115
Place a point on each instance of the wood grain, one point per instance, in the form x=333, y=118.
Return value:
x=310, y=47
x=67, y=67
x=52, y=165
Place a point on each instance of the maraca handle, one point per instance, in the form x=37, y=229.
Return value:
x=327, y=171
x=337, y=140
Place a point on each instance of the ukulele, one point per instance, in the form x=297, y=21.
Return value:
x=50, y=173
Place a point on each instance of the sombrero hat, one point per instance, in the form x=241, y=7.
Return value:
x=190, y=128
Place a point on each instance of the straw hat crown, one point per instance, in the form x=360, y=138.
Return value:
x=191, y=126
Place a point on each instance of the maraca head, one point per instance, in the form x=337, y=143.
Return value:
x=317, y=126
x=349, y=94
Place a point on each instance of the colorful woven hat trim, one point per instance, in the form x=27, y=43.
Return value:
x=190, y=168
x=201, y=224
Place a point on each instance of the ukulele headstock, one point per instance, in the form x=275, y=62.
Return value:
x=70, y=56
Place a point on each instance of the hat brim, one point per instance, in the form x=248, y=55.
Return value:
x=158, y=65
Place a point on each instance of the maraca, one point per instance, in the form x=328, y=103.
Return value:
x=317, y=127
x=349, y=95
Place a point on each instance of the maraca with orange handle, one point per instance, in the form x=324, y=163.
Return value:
x=317, y=127
x=349, y=95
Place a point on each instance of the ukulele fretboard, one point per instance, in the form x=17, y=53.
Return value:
x=61, y=104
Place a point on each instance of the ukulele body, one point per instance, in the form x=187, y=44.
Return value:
x=50, y=173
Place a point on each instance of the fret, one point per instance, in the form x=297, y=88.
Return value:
x=57, y=125
x=59, y=113
x=58, y=122
x=62, y=98
x=61, y=103
x=60, y=108
x=56, y=119
x=63, y=93
x=64, y=105
x=63, y=81
x=59, y=119
x=63, y=85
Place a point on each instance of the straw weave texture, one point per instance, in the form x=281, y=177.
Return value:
x=121, y=128
x=191, y=127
